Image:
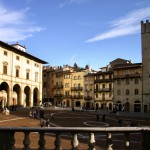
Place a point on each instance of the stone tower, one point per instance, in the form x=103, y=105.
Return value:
x=145, y=35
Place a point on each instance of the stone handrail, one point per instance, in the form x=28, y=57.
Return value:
x=7, y=139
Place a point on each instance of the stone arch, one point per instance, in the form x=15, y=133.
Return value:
x=16, y=97
x=4, y=95
x=127, y=107
x=137, y=106
x=110, y=106
x=119, y=105
x=27, y=92
x=35, y=97
x=97, y=106
x=78, y=104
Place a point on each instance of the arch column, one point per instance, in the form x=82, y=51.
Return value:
x=31, y=99
x=9, y=97
x=22, y=98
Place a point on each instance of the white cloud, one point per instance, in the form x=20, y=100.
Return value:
x=69, y=2
x=14, y=25
x=73, y=59
x=130, y=24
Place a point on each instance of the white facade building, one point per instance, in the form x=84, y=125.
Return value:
x=20, y=76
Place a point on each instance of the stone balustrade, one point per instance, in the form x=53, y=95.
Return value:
x=7, y=138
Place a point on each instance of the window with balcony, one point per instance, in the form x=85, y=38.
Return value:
x=96, y=95
x=103, y=86
x=127, y=72
x=103, y=77
x=136, y=71
x=103, y=96
x=75, y=78
x=97, y=77
x=118, y=72
x=110, y=76
x=66, y=85
x=66, y=76
x=110, y=86
x=79, y=77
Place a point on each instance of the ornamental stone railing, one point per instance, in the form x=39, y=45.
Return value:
x=7, y=136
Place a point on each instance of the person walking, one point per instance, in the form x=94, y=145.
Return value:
x=52, y=116
x=97, y=117
x=103, y=117
x=42, y=122
x=48, y=123
x=30, y=114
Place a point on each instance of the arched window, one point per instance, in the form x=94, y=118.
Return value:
x=127, y=92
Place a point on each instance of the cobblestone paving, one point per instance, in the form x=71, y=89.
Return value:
x=20, y=118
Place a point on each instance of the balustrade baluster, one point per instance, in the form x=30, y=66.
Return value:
x=145, y=141
x=26, y=141
x=126, y=141
x=74, y=141
x=91, y=142
x=12, y=140
x=41, y=141
x=58, y=142
x=109, y=142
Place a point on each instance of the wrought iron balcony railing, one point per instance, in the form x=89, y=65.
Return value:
x=8, y=138
x=76, y=88
x=136, y=75
x=58, y=86
x=88, y=97
x=77, y=96
x=102, y=80
x=103, y=90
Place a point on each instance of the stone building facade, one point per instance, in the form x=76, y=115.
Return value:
x=20, y=76
x=127, y=81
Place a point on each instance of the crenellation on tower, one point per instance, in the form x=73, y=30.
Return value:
x=145, y=27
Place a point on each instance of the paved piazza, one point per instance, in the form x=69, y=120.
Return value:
x=68, y=118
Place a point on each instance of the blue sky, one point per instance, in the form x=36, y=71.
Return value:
x=88, y=32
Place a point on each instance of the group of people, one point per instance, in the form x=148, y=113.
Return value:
x=40, y=114
x=103, y=117
x=34, y=114
x=46, y=122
